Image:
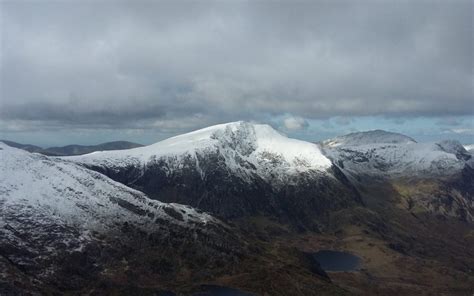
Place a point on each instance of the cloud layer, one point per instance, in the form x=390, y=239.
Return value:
x=173, y=65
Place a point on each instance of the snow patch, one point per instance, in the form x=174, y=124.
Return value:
x=469, y=148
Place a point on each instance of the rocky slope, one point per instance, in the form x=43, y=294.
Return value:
x=61, y=225
x=431, y=177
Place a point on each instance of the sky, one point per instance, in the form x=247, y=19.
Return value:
x=87, y=72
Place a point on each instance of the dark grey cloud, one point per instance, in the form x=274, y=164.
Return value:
x=157, y=64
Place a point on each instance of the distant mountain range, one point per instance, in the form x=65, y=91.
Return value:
x=242, y=206
x=73, y=149
x=269, y=172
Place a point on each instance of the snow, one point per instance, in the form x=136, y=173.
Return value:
x=368, y=137
x=59, y=191
x=50, y=206
x=269, y=140
x=469, y=148
x=258, y=144
x=276, y=157
x=381, y=153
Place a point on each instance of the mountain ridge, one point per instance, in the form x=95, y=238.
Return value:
x=73, y=149
x=253, y=169
x=55, y=212
x=67, y=229
x=249, y=141
x=233, y=170
x=367, y=137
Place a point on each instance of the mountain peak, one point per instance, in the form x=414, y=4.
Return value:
x=240, y=135
x=243, y=146
x=241, y=126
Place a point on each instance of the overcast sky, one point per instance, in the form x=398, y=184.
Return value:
x=93, y=71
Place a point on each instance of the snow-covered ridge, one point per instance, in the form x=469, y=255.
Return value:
x=247, y=149
x=44, y=189
x=52, y=210
x=368, y=137
x=259, y=145
x=400, y=158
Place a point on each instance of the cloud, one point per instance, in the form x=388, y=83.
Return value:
x=169, y=65
x=295, y=123
x=467, y=131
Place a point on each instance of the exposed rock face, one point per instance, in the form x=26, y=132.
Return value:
x=219, y=191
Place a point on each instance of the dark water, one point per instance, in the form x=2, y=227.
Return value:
x=337, y=261
x=210, y=290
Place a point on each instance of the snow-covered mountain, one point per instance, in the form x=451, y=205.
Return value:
x=239, y=169
x=385, y=154
x=245, y=148
x=231, y=170
x=428, y=177
x=368, y=137
x=58, y=189
x=51, y=207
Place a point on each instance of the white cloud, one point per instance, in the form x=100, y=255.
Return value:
x=295, y=123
